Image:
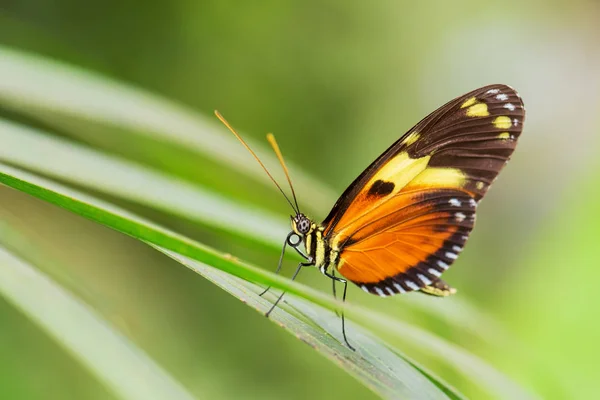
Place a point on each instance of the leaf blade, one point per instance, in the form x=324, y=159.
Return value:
x=78, y=329
x=32, y=149
x=394, y=379
x=109, y=215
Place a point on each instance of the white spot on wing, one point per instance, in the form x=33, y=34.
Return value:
x=465, y=237
x=457, y=249
x=493, y=91
x=502, y=97
x=412, y=285
x=380, y=292
x=434, y=272
x=451, y=255
x=515, y=122
x=460, y=217
x=363, y=287
x=510, y=106
x=442, y=264
x=424, y=279
x=399, y=288
x=455, y=202
x=390, y=290
x=472, y=203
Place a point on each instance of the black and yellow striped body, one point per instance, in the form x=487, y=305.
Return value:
x=318, y=249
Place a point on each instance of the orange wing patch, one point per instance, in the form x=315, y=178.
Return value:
x=414, y=240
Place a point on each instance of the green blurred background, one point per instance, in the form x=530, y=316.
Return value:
x=337, y=82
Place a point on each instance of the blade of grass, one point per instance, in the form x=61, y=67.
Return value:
x=126, y=222
x=38, y=84
x=374, y=349
x=31, y=149
x=409, y=336
x=409, y=382
x=110, y=357
x=380, y=369
x=111, y=216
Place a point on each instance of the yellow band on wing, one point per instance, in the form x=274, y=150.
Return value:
x=399, y=170
x=438, y=178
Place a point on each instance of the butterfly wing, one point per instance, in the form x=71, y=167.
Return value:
x=404, y=220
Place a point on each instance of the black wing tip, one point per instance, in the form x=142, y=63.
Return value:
x=500, y=87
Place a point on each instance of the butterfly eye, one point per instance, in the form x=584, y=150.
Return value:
x=302, y=224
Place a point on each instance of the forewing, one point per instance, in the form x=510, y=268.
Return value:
x=464, y=144
x=406, y=217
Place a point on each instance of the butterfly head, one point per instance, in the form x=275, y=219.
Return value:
x=301, y=224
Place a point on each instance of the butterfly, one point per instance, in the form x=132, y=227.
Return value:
x=406, y=218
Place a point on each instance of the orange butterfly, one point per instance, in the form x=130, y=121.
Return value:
x=406, y=218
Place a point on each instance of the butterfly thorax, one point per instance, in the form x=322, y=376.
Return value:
x=316, y=244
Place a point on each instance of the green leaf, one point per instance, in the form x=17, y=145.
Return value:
x=29, y=148
x=127, y=223
x=119, y=364
x=374, y=364
x=406, y=382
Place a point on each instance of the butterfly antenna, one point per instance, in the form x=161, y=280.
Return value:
x=275, y=146
x=224, y=121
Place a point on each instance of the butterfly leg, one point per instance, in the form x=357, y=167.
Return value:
x=333, y=290
x=345, y=283
x=333, y=280
x=302, y=264
x=288, y=241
